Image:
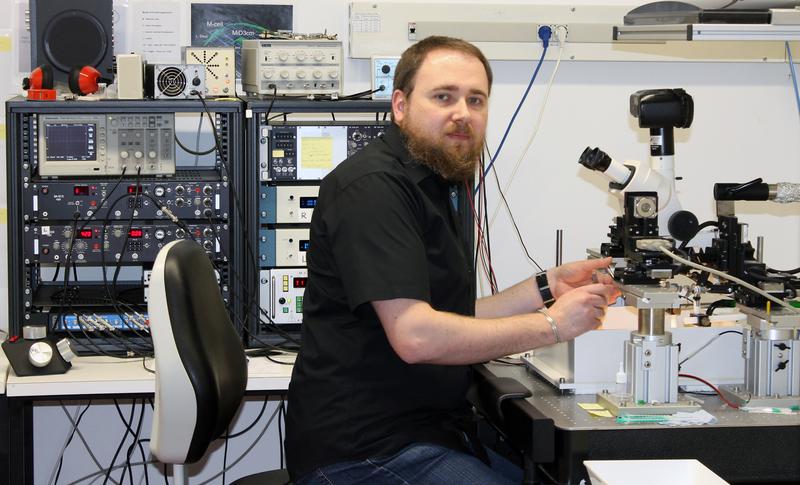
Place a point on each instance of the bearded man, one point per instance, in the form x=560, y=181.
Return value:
x=378, y=392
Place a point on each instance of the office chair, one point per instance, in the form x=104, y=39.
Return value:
x=201, y=369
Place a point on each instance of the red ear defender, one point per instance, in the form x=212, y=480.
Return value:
x=84, y=80
x=40, y=84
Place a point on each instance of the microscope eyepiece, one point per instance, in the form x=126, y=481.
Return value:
x=595, y=159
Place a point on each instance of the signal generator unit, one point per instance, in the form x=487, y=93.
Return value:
x=299, y=67
x=220, y=65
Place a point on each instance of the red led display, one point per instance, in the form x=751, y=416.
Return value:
x=135, y=233
x=299, y=282
x=85, y=234
x=132, y=189
x=81, y=190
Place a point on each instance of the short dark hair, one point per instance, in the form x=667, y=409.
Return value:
x=406, y=71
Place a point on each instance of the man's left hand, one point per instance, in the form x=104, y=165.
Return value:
x=572, y=275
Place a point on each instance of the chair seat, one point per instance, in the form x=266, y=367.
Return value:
x=272, y=477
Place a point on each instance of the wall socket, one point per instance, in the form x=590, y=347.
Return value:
x=554, y=27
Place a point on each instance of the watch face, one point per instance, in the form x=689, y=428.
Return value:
x=40, y=354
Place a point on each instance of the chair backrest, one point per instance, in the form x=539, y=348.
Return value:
x=201, y=368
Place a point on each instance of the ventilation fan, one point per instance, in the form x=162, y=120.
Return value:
x=171, y=82
x=176, y=80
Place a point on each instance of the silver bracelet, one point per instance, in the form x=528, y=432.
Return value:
x=552, y=323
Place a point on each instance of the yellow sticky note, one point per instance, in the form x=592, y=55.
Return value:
x=3, y=215
x=602, y=414
x=2, y=131
x=590, y=406
x=5, y=43
x=277, y=153
x=316, y=152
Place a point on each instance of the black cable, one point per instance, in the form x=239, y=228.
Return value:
x=514, y=222
x=486, y=234
x=272, y=102
x=250, y=426
x=723, y=303
x=132, y=447
x=362, y=94
x=144, y=457
x=759, y=275
x=193, y=152
x=58, y=270
x=224, y=461
x=696, y=232
x=281, y=417
x=122, y=441
x=238, y=208
x=69, y=440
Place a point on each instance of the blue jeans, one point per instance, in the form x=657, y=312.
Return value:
x=419, y=464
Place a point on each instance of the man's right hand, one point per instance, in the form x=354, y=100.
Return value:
x=582, y=309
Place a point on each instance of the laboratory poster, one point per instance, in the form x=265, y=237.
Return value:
x=216, y=25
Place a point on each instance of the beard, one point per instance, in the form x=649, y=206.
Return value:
x=454, y=163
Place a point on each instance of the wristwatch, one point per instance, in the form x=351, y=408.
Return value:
x=544, y=289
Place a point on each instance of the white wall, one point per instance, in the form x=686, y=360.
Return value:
x=746, y=126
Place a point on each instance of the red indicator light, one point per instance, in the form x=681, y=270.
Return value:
x=135, y=233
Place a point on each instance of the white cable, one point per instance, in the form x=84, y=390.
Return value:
x=728, y=277
x=562, y=42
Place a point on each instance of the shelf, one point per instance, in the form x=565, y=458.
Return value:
x=707, y=32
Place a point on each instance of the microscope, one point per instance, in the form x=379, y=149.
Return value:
x=642, y=270
x=646, y=259
x=659, y=110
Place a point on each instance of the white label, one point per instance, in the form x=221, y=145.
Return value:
x=45, y=230
x=35, y=246
x=35, y=203
x=365, y=22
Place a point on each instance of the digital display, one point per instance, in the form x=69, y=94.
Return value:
x=308, y=202
x=81, y=190
x=132, y=189
x=299, y=282
x=304, y=244
x=84, y=234
x=70, y=141
x=135, y=233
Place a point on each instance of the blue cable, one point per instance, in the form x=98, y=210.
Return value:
x=794, y=76
x=544, y=33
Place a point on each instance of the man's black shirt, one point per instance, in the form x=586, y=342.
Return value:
x=384, y=227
